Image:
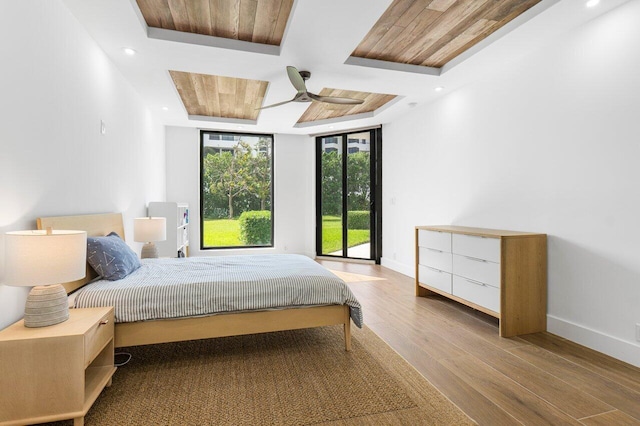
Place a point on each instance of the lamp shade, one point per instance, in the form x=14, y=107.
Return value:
x=34, y=258
x=148, y=229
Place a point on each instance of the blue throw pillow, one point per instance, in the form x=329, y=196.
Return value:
x=111, y=257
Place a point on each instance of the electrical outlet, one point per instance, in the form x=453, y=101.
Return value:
x=638, y=332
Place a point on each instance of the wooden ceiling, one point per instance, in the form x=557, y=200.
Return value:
x=322, y=111
x=426, y=33
x=228, y=97
x=433, y=32
x=257, y=21
x=216, y=96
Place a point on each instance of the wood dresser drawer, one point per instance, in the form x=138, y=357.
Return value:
x=435, y=278
x=475, y=246
x=477, y=269
x=435, y=240
x=97, y=337
x=477, y=292
x=435, y=258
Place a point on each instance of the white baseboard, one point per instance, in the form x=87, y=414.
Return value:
x=620, y=349
x=398, y=267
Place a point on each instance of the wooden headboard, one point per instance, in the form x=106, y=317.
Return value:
x=96, y=225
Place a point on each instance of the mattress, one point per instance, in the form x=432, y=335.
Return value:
x=198, y=286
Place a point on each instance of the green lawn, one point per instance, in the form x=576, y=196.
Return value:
x=226, y=233
x=222, y=233
x=332, y=235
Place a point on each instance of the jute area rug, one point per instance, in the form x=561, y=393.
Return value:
x=301, y=377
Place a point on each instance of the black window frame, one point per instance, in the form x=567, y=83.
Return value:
x=272, y=203
x=375, y=173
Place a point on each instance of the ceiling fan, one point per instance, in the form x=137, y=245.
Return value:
x=298, y=79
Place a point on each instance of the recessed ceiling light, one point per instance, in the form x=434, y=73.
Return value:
x=439, y=89
x=240, y=127
x=592, y=3
x=129, y=51
x=165, y=108
x=331, y=127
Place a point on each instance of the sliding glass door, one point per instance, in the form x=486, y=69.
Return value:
x=348, y=185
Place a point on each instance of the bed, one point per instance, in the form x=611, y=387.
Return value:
x=134, y=330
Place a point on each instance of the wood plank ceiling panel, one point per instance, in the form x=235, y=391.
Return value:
x=322, y=111
x=257, y=21
x=217, y=96
x=433, y=32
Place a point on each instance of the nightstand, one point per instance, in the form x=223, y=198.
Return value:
x=56, y=372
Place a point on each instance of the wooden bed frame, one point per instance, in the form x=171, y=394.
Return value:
x=221, y=325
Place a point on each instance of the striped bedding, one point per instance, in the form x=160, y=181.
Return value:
x=198, y=286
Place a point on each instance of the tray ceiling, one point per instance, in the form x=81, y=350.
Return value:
x=227, y=97
x=433, y=32
x=324, y=111
x=190, y=36
x=427, y=33
x=217, y=96
x=257, y=21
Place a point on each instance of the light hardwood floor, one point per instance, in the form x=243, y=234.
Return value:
x=533, y=379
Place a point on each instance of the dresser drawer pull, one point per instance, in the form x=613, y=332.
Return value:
x=432, y=249
x=475, y=282
x=434, y=269
x=104, y=322
x=476, y=259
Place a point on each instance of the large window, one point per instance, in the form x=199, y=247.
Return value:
x=236, y=191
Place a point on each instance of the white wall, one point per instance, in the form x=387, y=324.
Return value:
x=56, y=85
x=294, y=202
x=550, y=143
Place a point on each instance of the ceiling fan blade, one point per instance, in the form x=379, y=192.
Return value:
x=296, y=79
x=336, y=100
x=275, y=105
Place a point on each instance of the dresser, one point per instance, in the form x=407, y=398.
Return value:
x=501, y=273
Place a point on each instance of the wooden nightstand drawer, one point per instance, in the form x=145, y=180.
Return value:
x=97, y=337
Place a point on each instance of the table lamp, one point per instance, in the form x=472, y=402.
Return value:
x=148, y=230
x=44, y=260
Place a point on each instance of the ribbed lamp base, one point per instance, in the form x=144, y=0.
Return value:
x=46, y=305
x=149, y=251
